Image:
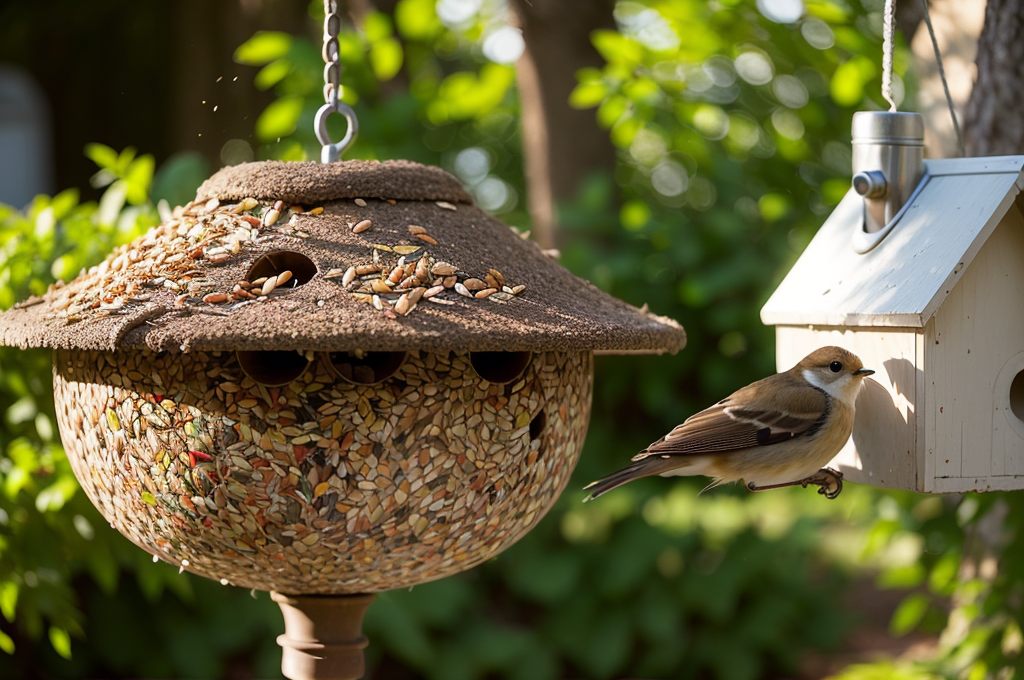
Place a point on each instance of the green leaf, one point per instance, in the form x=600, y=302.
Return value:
x=139, y=177
x=280, y=118
x=942, y=579
x=386, y=58
x=634, y=215
x=263, y=47
x=8, y=599
x=587, y=95
x=6, y=643
x=909, y=614
x=417, y=20
x=847, y=84
x=615, y=47
x=102, y=155
x=61, y=641
x=272, y=74
x=377, y=26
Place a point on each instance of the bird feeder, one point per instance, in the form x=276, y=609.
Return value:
x=327, y=381
x=919, y=271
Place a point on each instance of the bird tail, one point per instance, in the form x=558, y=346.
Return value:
x=642, y=467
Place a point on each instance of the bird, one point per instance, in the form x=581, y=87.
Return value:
x=775, y=432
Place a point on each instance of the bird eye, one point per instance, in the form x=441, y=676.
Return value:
x=835, y=367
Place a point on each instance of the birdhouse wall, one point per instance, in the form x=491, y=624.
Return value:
x=974, y=350
x=886, y=448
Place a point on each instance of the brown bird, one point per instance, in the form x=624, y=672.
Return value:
x=772, y=433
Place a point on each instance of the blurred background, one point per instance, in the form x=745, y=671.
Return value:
x=680, y=154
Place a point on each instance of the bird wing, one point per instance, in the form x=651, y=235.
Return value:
x=738, y=422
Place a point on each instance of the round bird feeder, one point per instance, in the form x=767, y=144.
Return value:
x=327, y=380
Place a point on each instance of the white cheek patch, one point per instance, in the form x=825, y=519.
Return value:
x=837, y=389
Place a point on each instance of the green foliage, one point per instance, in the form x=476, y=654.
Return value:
x=733, y=144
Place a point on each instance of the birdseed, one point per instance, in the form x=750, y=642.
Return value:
x=320, y=486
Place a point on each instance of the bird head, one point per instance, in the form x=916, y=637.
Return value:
x=835, y=370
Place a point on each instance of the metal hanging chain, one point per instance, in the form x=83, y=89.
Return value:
x=942, y=74
x=888, y=32
x=332, y=151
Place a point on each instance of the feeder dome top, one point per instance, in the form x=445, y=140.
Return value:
x=202, y=280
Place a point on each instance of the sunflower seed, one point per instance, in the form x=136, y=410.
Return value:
x=215, y=298
x=360, y=202
x=361, y=226
x=462, y=290
x=349, y=277
x=415, y=229
x=426, y=237
x=485, y=292
x=445, y=205
x=442, y=269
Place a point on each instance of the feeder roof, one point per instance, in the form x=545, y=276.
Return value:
x=177, y=287
x=905, y=278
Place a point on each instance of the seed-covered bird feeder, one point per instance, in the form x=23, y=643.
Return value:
x=919, y=271
x=327, y=380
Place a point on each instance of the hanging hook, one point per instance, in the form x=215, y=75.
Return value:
x=332, y=151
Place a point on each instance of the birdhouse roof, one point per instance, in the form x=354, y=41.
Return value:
x=190, y=283
x=905, y=278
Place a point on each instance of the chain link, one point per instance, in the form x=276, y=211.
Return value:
x=332, y=151
x=332, y=65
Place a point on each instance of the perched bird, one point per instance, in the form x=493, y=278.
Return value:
x=772, y=433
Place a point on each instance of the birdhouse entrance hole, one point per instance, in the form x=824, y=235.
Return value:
x=274, y=264
x=272, y=368
x=366, y=368
x=500, y=367
x=1017, y=396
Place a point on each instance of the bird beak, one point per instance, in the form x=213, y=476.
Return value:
x=863, y=372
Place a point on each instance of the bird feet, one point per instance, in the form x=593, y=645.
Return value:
x=829, y=481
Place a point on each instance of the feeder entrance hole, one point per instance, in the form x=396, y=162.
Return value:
x=538, y=424
x=500, y=367
x=367, y=368
x=272, y=264
x=272, y=369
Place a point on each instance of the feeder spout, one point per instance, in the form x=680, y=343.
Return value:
x=323, y=638
x=888, y=163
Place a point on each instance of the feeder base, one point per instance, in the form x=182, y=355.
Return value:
x=323, y=638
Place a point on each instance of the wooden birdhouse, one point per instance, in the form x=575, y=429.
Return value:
x=920, y=272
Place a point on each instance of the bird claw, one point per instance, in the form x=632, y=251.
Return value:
x=829, y=481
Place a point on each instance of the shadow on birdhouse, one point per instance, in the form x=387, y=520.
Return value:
x=923, y=282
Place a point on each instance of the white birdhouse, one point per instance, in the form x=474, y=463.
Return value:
x=920, y=272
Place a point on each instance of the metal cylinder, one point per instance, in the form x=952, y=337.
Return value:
x=891, y=144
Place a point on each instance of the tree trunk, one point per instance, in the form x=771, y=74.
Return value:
x=561, y=145
x=993, y=125
x=957, y=25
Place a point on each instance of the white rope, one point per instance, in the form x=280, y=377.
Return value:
x=942, y=74
x=888, y=32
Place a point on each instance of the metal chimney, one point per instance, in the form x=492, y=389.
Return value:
x=888, y=164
